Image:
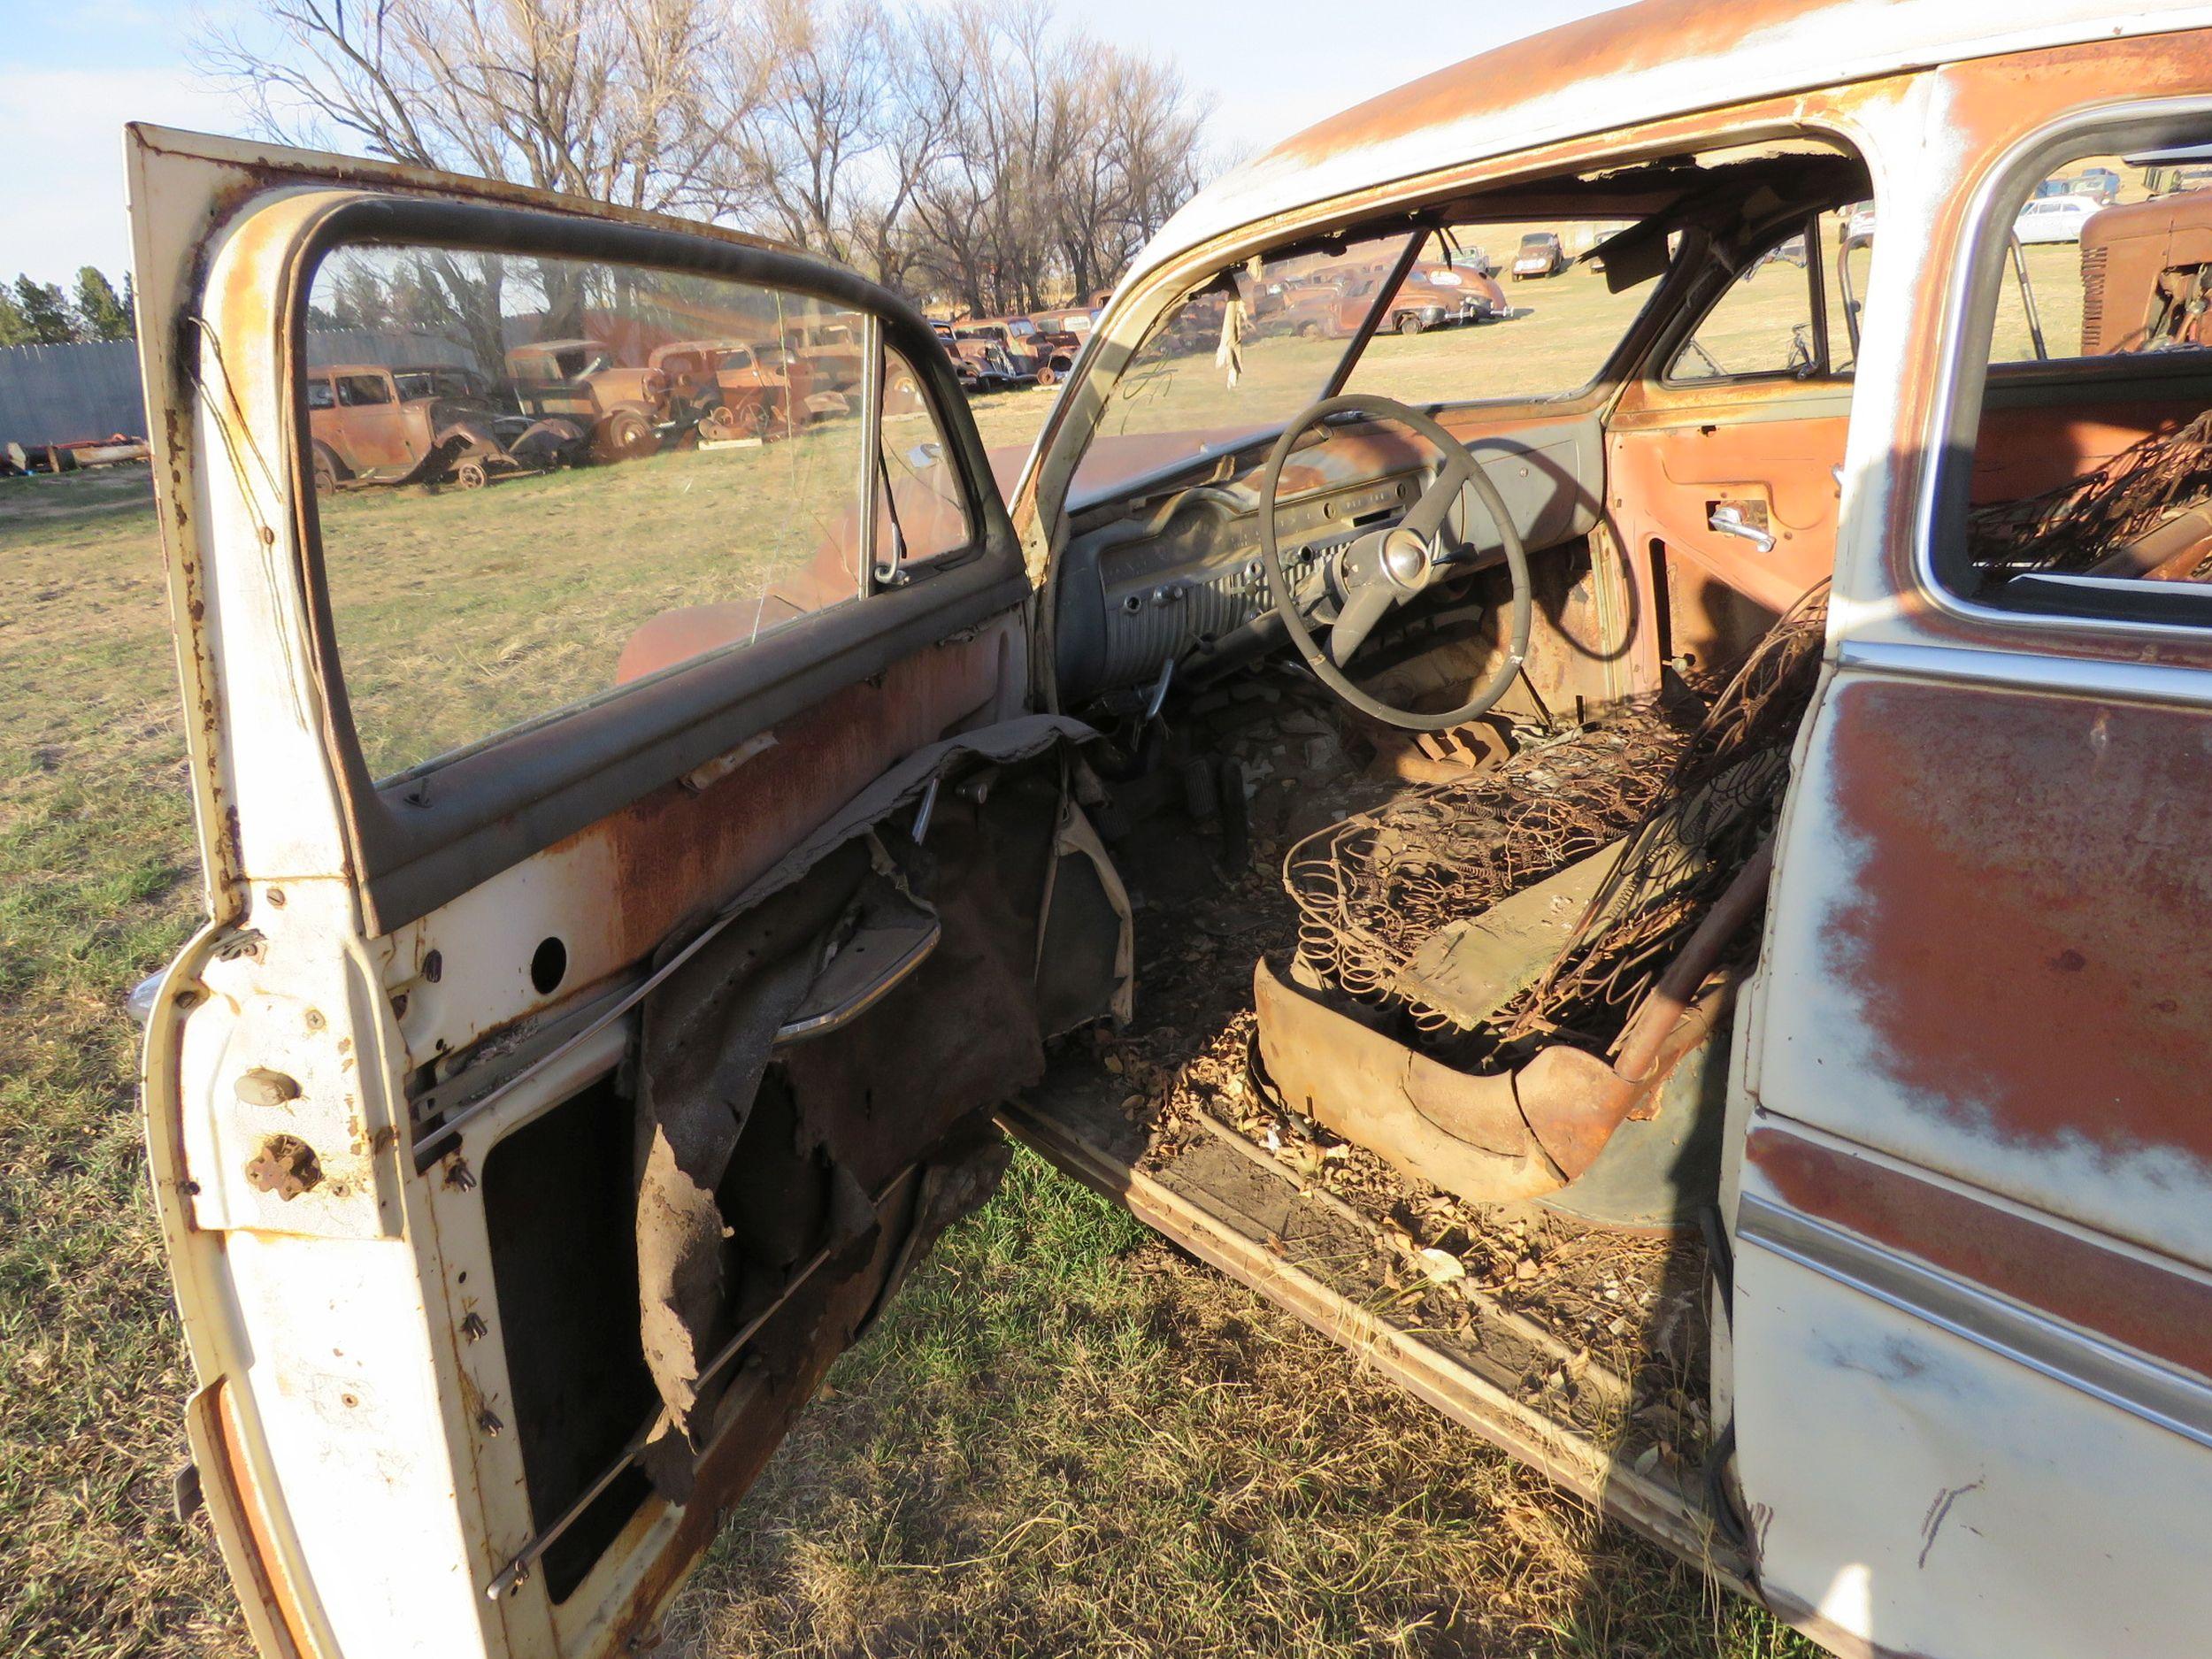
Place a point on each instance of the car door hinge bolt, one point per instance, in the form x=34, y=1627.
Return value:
x=262, y=1086
x=488, y=1421
x=286, y=1165
x=472, y=1326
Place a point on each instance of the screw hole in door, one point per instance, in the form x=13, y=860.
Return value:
x=549, y=965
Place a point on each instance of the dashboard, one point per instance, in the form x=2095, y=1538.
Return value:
x=1175, y=575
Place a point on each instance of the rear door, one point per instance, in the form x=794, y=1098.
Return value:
x=627, y=884
x=1973, y=1308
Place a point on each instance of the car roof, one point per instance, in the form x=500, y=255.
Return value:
x=1641, y=63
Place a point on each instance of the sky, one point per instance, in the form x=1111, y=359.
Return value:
x=70, y=75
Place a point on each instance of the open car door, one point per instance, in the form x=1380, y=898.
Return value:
x=629, y=861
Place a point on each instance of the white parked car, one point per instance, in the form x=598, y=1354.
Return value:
x=2055, y=218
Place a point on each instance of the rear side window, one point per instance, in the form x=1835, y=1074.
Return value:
x=2087, y=488
x=583, y=520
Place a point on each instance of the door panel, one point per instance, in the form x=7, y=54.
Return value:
x=515, y=1198
x=1972, y=1387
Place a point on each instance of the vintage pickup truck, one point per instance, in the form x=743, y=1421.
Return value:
x=1739, y=763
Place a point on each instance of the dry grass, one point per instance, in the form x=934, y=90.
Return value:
x=1066, y=1438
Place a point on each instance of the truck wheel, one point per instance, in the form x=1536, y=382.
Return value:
x=1311, y=331
x=717, y=425
x=471, y=475
x=1409, y=323
x=326, y=472
x=1048, y=376
x=624, y=437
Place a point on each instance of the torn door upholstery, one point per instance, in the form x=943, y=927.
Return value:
x=783, y=1185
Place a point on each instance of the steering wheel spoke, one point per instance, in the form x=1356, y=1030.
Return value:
x=1367, y=606
x=1428, y=515
x=1371, y=593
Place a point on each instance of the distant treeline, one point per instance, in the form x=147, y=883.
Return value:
x=41, y=314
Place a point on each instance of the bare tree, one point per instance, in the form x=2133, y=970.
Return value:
x=839, y=125
x=1065, y=155
x=982, y=154
x=614, y=100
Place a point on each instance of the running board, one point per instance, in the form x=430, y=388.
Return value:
x=1277, y=1240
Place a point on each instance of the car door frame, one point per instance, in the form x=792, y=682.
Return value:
x=353, y=921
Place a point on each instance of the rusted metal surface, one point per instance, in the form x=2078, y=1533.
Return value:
x=2096, y=1284
x=2144, y=273
x=285, y=1165
x=1463, y=1132
x=2016, y=917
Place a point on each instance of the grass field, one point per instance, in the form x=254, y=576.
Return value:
x=1065, y=1438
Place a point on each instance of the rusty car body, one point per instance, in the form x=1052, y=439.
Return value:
x=1332, y=302
x=1540, y=254
x=369, y=423
x=2147, y=275
x=734, y=388
x=831, y=349
x=1756, y=798
x=625, y=411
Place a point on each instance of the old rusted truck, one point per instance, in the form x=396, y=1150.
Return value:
x=625, y=412
x=1737, y=777
x=733, y=388
x=431, y=424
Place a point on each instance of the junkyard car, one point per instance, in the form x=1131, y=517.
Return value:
x=831, y=349
x=2055, y=218
x=625, y=410
x=1333, y=302
x=1540, y=254
x=1736, y=759
x=433, y=423
x=732, y=388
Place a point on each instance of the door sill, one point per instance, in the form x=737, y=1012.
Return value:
x=1299, y=1253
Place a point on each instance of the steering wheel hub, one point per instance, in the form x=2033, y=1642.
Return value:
x=1405, y=560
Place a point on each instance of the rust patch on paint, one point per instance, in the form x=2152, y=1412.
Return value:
x=684, y=849
x=2165, y=1315
x=2027, y=934
x=1659, y=32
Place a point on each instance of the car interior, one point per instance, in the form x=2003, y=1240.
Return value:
x=1448, y=727
x=1431, y=695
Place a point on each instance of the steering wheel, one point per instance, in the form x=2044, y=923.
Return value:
x=1392, y=562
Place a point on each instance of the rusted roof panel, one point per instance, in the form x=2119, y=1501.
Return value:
x=1642, y=63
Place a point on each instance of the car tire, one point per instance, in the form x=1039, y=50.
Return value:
x=625, y=436
x=1410, y=324
x=326, y=472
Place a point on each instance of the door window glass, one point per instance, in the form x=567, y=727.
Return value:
x=1760, y=325
x=557, y=514
x=2088, y=490
x=922, y=511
